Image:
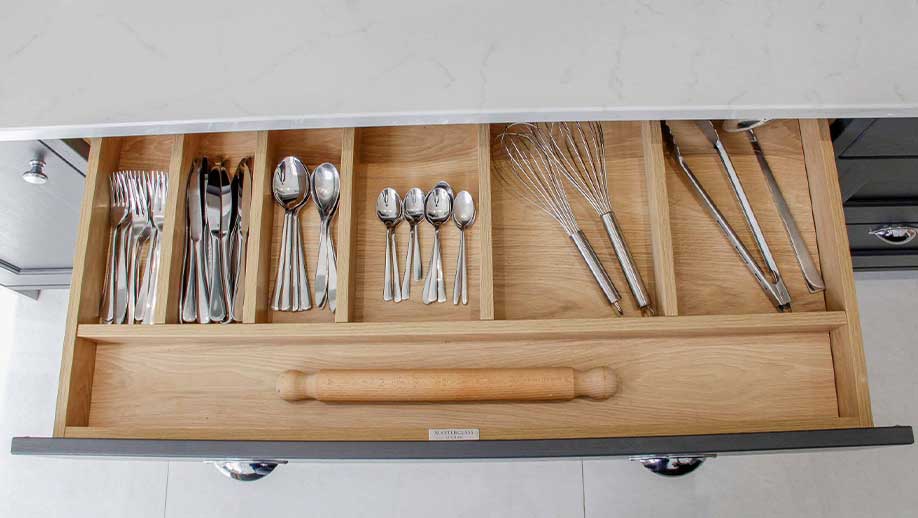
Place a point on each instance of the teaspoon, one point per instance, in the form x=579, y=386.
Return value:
x=438, y=205
x=463, y=216
x=389, y=211
x=326, y=187
x=414, y=212
x=290, y=185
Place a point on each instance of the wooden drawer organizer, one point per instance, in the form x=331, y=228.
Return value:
x=717, y=358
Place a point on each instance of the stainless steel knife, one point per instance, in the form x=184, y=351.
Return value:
x=242, y=195
x=218, y=226
x=196, y=272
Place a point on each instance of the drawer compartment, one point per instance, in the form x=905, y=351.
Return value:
x=714, y=359
x=170, y=386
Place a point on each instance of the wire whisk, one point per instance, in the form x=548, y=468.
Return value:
x=579, y=152
x=535, y=175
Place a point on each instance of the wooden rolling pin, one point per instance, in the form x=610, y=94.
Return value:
x=399, y=385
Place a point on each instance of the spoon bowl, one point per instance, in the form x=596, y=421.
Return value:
x=438, y=205
x=389, y=207
x=463, y=210
x=445, y=185
x=414, y=205
x=290, y=183
x=326, y=188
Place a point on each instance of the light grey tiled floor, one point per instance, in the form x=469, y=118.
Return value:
x=878, y=482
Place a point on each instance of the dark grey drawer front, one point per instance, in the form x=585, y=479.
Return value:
x=886, y=137
x=737, y=443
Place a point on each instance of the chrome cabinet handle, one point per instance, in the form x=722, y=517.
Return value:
x=896, y=235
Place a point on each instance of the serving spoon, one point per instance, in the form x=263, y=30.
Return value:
x=290, y=186
x=326, y=188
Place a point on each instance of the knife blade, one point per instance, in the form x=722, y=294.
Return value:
x=215, y=223
x=195, y=212
x=243, y=198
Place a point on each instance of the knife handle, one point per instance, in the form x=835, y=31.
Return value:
x=200, y=286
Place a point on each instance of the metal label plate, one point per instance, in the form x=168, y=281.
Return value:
x=452, y=434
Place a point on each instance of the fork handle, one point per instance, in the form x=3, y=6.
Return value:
x=189, y=274
x=143, y=296
x=108, y=294
x=121, y=272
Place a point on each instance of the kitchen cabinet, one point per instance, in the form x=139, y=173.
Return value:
x=38, y=223
x=717, y=370
x=878, y=171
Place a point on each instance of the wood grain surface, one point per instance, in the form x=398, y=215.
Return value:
x=402, y=158
x=676, y=381
x=537, y=271
x=710, y=277
x=847, y=342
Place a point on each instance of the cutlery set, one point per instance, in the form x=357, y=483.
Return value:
x=292, y=186
x=771, y=280
x=217, y=224
x=137, y=201
x=544, y=159
x=437, y=206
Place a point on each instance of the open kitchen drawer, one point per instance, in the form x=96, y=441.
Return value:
x=716, y=364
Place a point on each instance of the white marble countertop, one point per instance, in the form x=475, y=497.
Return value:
x=108, y=68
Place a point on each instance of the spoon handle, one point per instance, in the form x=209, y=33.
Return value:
x=398, y=290
x=457, y=281
x=387, y=288
x=441, y=283
x=430, y=284
x=294, y=280
x=406, y=280
x=322, y=267
x=280, y=276
x=302, y=278
x=465, y=274
x=332, y=267
x=418, y=267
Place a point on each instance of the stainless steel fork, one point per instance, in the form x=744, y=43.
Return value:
x=157, y=202
x=140, y=230
x=114, y=291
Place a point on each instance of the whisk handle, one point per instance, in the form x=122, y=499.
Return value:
x=632, y=275
x=599, y=273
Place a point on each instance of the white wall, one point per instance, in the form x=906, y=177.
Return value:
x=876, y=482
